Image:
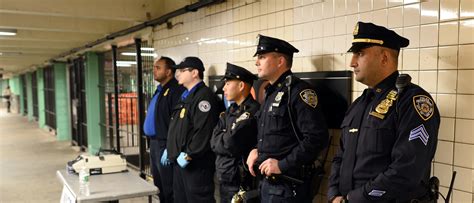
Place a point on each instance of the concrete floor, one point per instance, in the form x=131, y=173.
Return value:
x=29, y=158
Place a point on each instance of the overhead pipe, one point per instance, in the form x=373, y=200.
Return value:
x=157, y=21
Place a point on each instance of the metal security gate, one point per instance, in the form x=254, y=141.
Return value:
x=25, y=94
x=77, y=91
x=49, y=97
x=34, y=89
x=125, y=115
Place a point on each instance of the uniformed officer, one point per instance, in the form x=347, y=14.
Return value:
x=292, y=130
x=190, y=131
x=389, y=134
x=236, y=132
x=156, y=124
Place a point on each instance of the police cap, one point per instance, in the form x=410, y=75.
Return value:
x=270, y=44
x=191, y=62
x=369, y=34
x=234, y=72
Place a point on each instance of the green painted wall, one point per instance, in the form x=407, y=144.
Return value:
x=29, y=95
x=95, y=105
x=41, y=105
x=63, y=121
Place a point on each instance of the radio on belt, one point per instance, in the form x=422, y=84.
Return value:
x=99, y=164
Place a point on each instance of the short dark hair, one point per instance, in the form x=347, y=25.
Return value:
x=288, y=58
x=201, y=74
x=169, y=63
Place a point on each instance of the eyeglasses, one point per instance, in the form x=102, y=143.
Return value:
x=183, y=70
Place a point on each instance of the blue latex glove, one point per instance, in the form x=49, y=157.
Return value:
x=164, y=159
x=182, y=161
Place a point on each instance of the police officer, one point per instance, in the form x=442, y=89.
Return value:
x=389, y=134
x=236, y=132
x=156, y=124
x=292, y=130
x=190, y=131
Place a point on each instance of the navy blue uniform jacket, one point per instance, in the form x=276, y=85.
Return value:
x=276, y=138
x=393, y=149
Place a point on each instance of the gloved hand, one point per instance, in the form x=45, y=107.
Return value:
x=182, y=160
x=164, y=159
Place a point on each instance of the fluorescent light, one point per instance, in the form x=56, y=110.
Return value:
x=8, y=32
x=134, y=54
x=147, y=49
x=124, y=65
x=127, y=62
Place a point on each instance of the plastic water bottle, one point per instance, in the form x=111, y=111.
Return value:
x=84, y=181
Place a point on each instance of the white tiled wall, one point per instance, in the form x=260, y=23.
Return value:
x=440, y=57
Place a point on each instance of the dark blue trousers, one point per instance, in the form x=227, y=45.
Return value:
x=162, y=175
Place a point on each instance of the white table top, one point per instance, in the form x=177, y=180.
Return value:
x=107, y=187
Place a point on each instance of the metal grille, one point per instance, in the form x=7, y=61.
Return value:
x=34, y=89
x=128, y=111
x=78, y=102
x=49, y=97
x=25, y=94
x=149, y=87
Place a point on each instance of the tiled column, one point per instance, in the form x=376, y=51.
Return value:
x=41, y=106
x=29, y=93
x=63, y=121
x=95, y=103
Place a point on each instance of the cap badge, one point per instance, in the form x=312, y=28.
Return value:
x=356, y=29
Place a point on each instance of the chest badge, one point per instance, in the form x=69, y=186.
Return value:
x=424, y=106
x=242, y=117
x=279, y=96
x=385, y=105
x=182, y=113
x=166, y=92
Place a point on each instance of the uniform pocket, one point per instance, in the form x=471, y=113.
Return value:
x=379, y=136
x=278, y=119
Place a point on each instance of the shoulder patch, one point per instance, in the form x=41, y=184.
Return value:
x=309, y=97
x=222, y=114
x=204, y=106
x=424, y=106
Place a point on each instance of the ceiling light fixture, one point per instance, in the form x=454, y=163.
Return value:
x=134, y=54
x=7, y=32
x=147, y=49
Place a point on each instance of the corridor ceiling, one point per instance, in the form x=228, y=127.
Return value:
x=49, y=28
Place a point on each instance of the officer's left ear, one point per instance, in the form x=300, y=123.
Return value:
x=385, y=56
x=241, y=86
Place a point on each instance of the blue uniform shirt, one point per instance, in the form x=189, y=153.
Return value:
x=187, y=92
x=149, y=124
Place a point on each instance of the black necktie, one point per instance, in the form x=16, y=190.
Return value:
x=345, y=183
